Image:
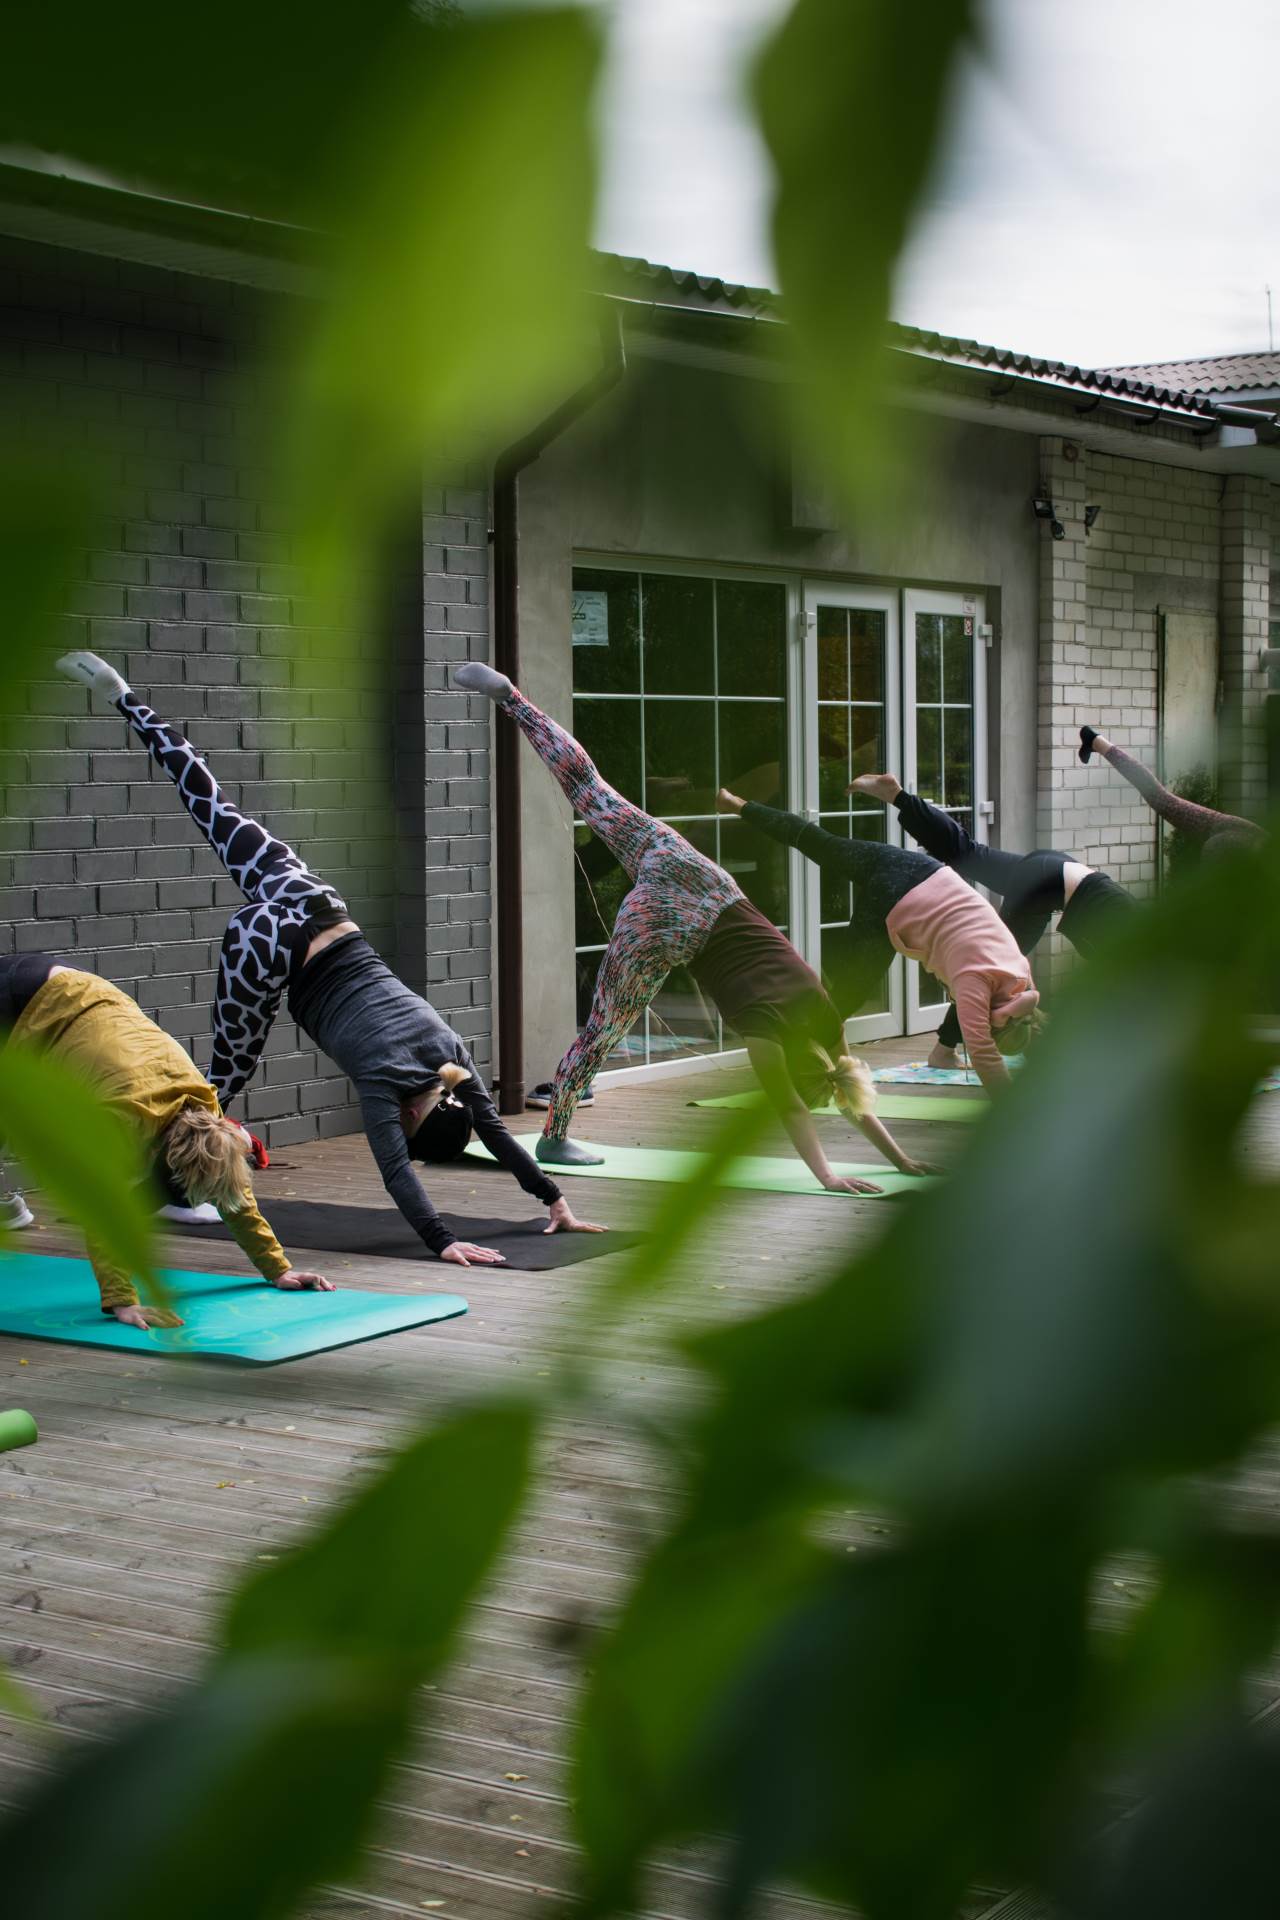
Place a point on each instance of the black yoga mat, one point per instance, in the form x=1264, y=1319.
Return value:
x=381, y=1233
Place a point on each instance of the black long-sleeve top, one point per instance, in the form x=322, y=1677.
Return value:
x=391, y=1043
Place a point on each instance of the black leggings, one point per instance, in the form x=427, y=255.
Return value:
x=1032, y=886
x=855, y=960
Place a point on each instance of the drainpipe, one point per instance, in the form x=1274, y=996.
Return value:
x=506, y=658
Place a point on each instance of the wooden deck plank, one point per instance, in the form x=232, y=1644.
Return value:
x=119, y=1549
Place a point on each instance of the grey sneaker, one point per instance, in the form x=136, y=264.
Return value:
x=540, y=1096
x=15, y=1213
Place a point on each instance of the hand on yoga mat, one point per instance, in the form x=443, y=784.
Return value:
x=562, y=1220
x=840, y=1183
x=147, y=1317
x=463, y=1254
x=917, y=1167
x=295, y=1280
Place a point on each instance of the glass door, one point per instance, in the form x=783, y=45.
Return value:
x=851, y=671
x=944, y=743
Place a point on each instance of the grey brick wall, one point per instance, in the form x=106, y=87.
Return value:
x=157, y=384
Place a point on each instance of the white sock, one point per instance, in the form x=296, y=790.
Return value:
x=88, y=670
x=475, y=677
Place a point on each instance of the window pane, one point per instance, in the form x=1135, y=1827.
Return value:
x=957, y=660
x=681, y=1021
x=759, y=865
x=679, y=650
x=928, y=657
x=835, y=900
x=957, y=729
x=751, y=627
x=833, y=653
x=630, y=1051
x=833, y=755
x=599, y=884
x=610, y=663
x=679, y=756
x=610, y=732
x=867, y=655
x=929, y=754
x=867, y=739
x=753, y=751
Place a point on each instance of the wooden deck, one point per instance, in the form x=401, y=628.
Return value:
x=157, y=1483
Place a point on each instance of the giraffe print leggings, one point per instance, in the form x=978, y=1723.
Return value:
x=676, y=898
x=283, y=895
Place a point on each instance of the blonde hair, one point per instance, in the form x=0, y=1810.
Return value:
x=852, y=1087
x=449, y=1076
x=207, y=1159
x=1015, y=1036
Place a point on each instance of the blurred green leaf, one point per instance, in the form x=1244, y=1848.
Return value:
x=647, y=1756
x=430, y=342
x=234, y=1801
x=43, y=507
x=391, y=1574
x=80, y=1153
x=850, y=96
x=262, y=1781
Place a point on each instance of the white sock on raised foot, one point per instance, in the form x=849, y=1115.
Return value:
x=475, y=677
x=88, y=670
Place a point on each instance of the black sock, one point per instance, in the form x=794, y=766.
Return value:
x=1087, y=737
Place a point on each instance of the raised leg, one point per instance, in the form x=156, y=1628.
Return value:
x=253, y=970
x=627, y=830
x=1184, y=816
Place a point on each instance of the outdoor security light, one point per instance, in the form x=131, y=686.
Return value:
x=1042, y=506
x=1090, y=516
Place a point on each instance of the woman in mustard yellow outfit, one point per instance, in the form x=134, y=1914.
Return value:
x=144, y=1076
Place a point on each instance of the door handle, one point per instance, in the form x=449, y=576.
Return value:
x=987, y=809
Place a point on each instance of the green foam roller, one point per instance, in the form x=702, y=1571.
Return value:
x=16, y=1430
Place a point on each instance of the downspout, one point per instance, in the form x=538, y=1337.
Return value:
x=506, y=658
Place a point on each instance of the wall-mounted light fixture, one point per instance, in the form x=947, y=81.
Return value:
x=1042, y=507
x=1091, y=516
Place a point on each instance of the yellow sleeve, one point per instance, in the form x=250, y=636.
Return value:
x=252, y=1234
x=115, y=1287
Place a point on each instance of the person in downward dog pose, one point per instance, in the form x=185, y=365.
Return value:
x=1205, y=825
x=420, y=1094
x=144, y=1076
x=1033, y=886
x=685, y=911
x=909, y=903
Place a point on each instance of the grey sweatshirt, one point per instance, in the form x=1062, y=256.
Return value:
x=390, y=1043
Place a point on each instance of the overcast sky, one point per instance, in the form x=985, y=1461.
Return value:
x=1111, y=191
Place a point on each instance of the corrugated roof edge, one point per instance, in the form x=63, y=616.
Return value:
x=623, y=272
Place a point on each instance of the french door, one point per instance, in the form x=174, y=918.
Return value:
x=893, y=682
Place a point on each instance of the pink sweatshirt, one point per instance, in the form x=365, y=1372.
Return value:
x=950, y=929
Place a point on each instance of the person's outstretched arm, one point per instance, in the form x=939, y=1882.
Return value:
x=770, y=1064
x=492, y=1131
x=385, y=1134
x=973, y=1005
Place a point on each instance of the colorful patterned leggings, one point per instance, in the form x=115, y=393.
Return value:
x=1184, y=816
x=282, y=892
x=676, y=898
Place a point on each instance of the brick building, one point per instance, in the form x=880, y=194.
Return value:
x=686, y=596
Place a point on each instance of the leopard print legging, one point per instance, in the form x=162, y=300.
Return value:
x=282, y=892
x=676, y=898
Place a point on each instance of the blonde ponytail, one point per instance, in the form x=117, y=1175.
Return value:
x=452, y=1076
x=852, y=1087
x=207, y=1160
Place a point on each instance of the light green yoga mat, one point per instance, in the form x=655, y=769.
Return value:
x=760, y=1175
x=889, y=1106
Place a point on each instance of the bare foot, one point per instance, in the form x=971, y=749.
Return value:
x=878, y=786
x=940, y=1056
x=727, y=802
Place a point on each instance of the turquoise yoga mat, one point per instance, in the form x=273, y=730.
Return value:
x=889, y=1106
x=227, y=1318
x=758, y=1174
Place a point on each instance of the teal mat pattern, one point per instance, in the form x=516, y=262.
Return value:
x=755, y=1173
x=43, y=1297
